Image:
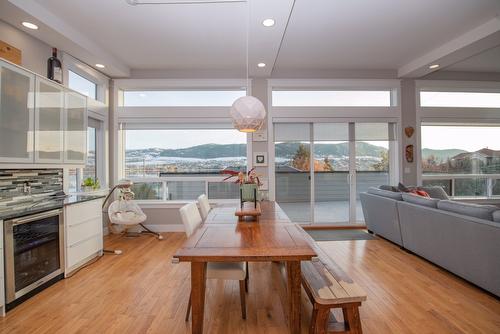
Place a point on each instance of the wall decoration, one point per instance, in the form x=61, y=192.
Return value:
x=409, y=130
x=409, y=153
x=260, y=135
x=260, y=159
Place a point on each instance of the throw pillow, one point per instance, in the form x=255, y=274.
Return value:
x=435, y=192
x=403, y=188
x=419, y=193
x=389, y=188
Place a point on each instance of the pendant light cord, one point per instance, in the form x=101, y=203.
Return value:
x=248, y=34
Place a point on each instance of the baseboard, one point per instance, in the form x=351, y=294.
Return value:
x=333, y=227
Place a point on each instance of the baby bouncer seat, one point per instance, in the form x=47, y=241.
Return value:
x=125, y=214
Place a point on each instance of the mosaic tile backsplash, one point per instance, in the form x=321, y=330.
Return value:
x=13, y=184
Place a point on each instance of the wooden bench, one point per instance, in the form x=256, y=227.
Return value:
x=329, y=287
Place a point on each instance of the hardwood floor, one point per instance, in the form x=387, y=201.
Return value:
x=141, y=291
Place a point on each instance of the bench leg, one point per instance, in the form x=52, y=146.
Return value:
x=319, y=321
x=242, y=300
x=352, y=320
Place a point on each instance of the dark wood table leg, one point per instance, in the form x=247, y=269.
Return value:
x=294, y=291
x=198, y=284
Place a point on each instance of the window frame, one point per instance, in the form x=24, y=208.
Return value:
x=100, y=156
x=72, y=64
x=166, y=116
x=392, y=99
x=315, y=114
x=227, y=89
x=181, y=177
x=472, y=116
x=489, y=178
x=78, y=75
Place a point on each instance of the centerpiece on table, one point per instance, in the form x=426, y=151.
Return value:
x=249, y=185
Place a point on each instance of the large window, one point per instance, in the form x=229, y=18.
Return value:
x=82, y=85
x=91, y=169
x=332, y=98
x=459, y=99
x=181, y=98
x=182, y=164
x=464, y=159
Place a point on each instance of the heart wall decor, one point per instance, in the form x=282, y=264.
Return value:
x=409, y=130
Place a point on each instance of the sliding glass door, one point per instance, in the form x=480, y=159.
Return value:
x=292, y=170
x=321, y=168
x=332, y=159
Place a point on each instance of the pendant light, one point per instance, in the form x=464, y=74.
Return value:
x=248, y=113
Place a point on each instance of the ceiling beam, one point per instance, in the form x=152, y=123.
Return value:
x=264, y=42
x=473, y=42
x=63, y=36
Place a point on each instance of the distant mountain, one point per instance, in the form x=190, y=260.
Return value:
x=207, y=151
x=441, y=155
x=286, y=150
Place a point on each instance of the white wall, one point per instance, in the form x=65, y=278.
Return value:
x=34, y=52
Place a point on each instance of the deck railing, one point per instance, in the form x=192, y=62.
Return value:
x=466, y=185
x=295, y=186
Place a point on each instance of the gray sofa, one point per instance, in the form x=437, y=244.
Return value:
x=462, y=238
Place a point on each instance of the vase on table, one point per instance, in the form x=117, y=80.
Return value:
x=249, y=193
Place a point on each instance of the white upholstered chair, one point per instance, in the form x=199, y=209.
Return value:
x=237, y=271
x=204, y=206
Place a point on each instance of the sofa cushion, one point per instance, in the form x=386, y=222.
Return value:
x=420, y=200
x=385, y=193
x=468, y=209
x=496, y=216
x=435, y=192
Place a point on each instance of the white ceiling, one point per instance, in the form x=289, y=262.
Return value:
x=381, y=34
x=309, y=35
x=161, y=36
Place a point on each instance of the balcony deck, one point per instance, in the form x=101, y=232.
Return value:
x=330, y=213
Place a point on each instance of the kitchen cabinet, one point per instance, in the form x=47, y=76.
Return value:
x=75, y=129
x=16, y=114
x=84, y=234
x=41, y=122
x=49, y=122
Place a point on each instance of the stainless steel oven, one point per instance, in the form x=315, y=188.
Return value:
x=34, y=252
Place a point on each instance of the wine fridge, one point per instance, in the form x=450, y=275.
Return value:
x=34, y=253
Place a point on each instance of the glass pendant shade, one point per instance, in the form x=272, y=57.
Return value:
x=248, y=114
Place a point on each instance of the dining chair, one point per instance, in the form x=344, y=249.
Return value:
x=237, y=271
x=204, y=206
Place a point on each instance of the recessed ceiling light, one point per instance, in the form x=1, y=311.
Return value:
x=30, y=25
x=433, y=66
x=261, y=65
x=268, y=22
x=99, y=65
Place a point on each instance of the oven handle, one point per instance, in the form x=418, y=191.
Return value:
x=38, y=216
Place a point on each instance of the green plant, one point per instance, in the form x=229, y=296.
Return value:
x=90, y=182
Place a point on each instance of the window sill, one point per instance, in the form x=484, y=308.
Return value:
x=481, y=200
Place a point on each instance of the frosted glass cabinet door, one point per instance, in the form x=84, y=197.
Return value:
x=16, y=114
x=49, y=122
x=75, y=140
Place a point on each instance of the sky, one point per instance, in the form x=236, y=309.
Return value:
x=469, y=138
x=435, y=137
x=174, y=139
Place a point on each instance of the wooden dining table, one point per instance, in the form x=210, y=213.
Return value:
x=222, y=238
